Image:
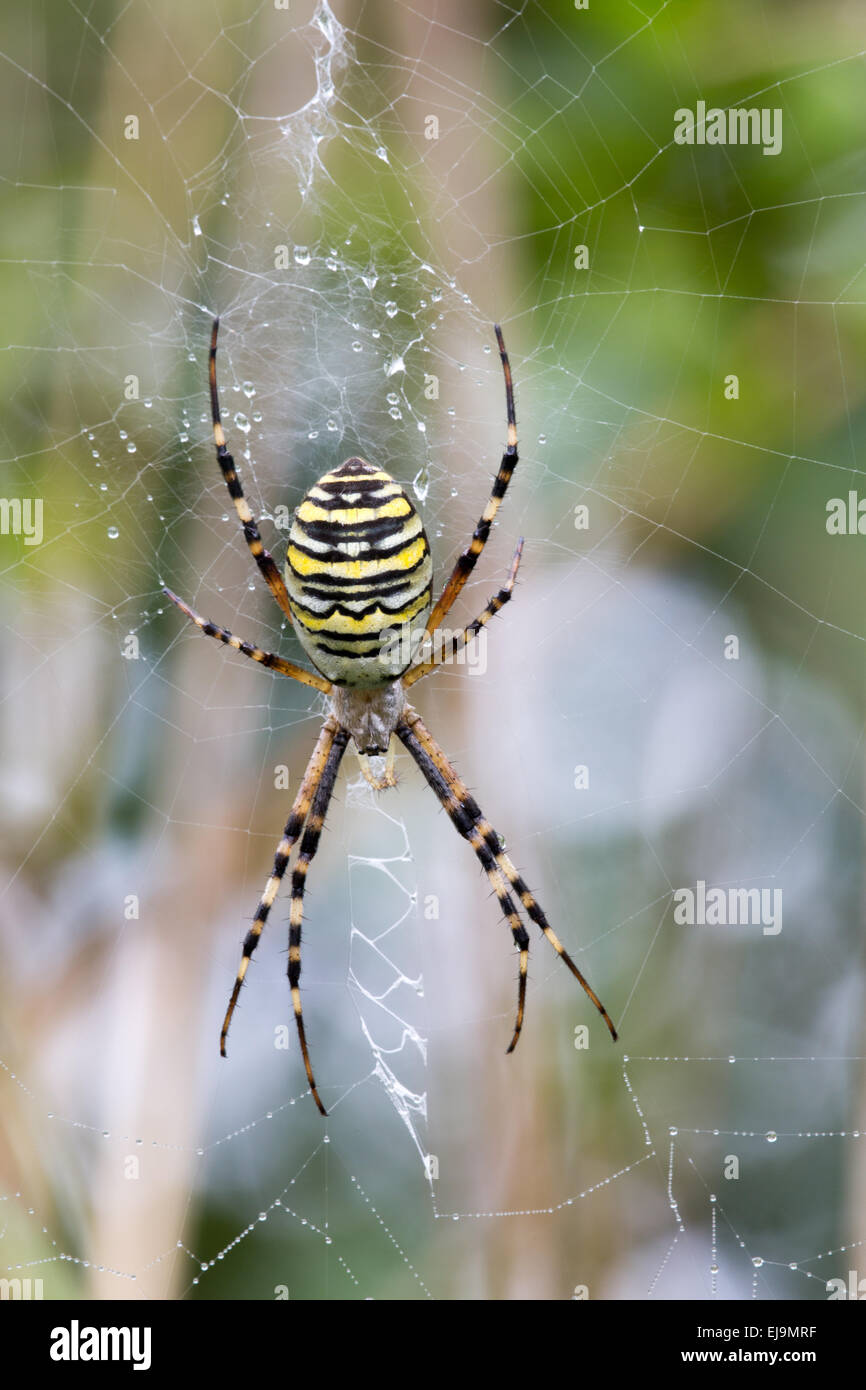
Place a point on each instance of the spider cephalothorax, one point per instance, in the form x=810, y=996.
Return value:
x=370, y=714
x=358, y=573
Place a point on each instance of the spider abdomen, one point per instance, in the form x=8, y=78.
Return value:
x=359, y=575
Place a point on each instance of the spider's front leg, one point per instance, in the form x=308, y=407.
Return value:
x=454, y=643
x=468, y=560
x=265, y=562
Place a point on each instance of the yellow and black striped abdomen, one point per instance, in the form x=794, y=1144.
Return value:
x=359, y=575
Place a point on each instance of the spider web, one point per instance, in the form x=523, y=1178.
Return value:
x=675, y=696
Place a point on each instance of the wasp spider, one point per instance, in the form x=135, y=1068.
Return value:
x=359, y=570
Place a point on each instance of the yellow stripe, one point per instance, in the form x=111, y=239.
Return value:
x=346, y=479
x=319, y=494
x=369, y=622
x=354, y=516
x=404, y=559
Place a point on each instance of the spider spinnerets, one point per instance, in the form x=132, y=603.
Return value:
x=358, y=570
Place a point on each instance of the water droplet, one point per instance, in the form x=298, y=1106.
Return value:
x=542, y=439
x=248, y=389
x=757, y=1261
x=196, y=226
x=395, y=413
x=421, y=484
x=130, y=448
x=302, y=255
x=673, y=1130
x=113, y=533
x=394, y=366
x=771, y=1136
x=242, y=423
x=382, y=153
x=356, y=346
x=390, y=308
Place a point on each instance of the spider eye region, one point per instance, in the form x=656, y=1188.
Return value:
x=359, y=575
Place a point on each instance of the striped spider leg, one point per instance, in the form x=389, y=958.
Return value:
x=466, y=816
x=308, y=814
x=469, y=558
x=461, y=807
x=461, y=639
x=267, y=567
x=268, y=659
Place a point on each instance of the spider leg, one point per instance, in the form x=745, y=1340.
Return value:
x=294, y=825
x=268, y=659
x=265, y=562
x=454, y=644
x=309, y=845
x=535, y=913
x=482, y=828
x=457, y=801
x=468, y=560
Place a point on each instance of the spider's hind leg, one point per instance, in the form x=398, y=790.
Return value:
x=464, y=810
x=459, y=806
x=309, y=845
x=305, y=801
